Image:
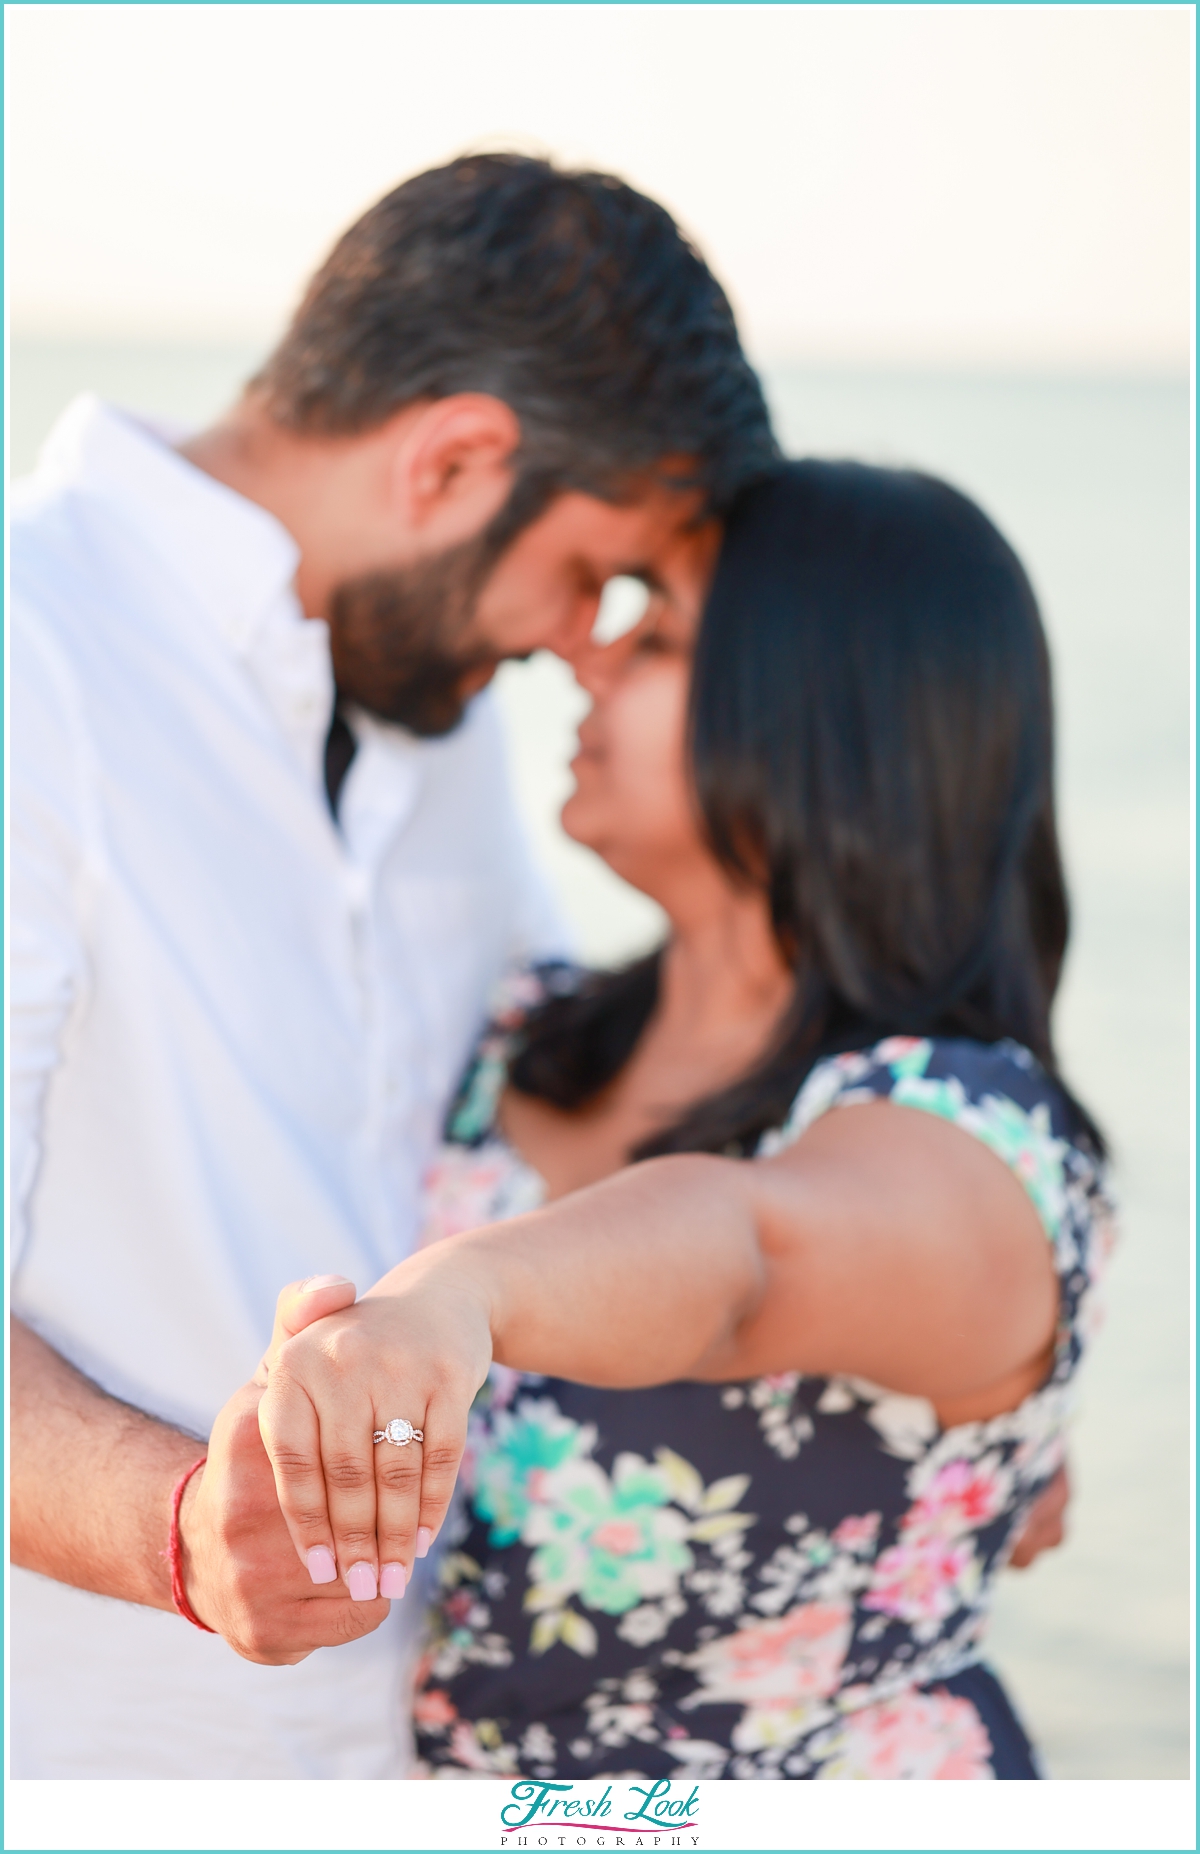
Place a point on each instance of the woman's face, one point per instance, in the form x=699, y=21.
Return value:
x=632, y=801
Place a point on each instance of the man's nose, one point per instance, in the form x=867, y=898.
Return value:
x=573, y=639
x=593, y=666
x=606, y=618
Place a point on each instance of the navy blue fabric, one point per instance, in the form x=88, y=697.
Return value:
x=596, y=1619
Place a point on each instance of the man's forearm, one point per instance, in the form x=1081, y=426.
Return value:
x=91, y=1479
x=91, y=1500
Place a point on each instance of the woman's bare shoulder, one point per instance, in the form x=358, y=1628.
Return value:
x=903, y=1249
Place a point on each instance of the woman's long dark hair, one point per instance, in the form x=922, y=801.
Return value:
x=871, y=739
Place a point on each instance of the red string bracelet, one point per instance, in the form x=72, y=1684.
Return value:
x=174, y=1554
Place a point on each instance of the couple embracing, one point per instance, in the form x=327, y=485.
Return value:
x=726, y=1308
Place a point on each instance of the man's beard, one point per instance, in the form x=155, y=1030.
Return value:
x=401, y=641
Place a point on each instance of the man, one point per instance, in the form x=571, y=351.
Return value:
x=265, y=868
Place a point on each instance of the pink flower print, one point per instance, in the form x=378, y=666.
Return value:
x=460, y=1190
x=961, y=1497
x=921, y=1578
x=465, y=1749
x=932, y=1570
x=797, y=1657
x=619, y=1536
x=434, y=1710
x=917, y=1736
x=538, y=1486
x=857, y=1532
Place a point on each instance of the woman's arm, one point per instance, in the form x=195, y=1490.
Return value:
x=886, y=1243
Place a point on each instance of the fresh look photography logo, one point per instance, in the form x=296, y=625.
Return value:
x=611, y=1815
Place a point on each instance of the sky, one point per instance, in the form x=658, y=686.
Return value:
x=1003, y=186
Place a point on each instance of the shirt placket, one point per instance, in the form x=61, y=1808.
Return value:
x=379, y=796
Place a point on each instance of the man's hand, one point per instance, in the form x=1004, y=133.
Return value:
x=1044, y=1528
x=240, y=1568
x=91, y=1506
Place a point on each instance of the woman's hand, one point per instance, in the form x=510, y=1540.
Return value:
x=417, y=1346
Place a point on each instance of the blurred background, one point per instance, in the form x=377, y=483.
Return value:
x=957, y=237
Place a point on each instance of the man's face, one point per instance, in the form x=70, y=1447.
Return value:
x=415, y=644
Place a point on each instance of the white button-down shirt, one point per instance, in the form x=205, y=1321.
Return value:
x=235, y=1028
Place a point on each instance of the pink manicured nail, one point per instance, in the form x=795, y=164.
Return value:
x=360, y=1582
x=322, y=1566
x=319, y=1281
x=392, y=1580
x=424, y=1540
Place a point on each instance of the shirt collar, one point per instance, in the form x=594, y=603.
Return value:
x=234, y=556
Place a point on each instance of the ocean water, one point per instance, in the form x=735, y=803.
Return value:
x=1090, y=481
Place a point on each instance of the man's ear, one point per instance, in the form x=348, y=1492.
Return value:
x=452, y=469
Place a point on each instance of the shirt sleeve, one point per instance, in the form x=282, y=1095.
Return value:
x=996, y=1093
x=53, y=862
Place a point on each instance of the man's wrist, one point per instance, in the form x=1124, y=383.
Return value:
x=91, y=1479
x=181, y=1564
x=180, y=1452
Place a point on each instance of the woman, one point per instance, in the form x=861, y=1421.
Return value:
x=790, y=1415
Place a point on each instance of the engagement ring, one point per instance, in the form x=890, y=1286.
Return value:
x=400, y=1433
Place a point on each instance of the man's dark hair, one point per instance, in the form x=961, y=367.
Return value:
x=570, y=296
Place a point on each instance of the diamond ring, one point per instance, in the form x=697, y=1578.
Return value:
x=399, y=1433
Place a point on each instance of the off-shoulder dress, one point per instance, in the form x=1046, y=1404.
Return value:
x=784, y=1578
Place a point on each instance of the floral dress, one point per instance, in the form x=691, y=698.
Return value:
x=782, y=1578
